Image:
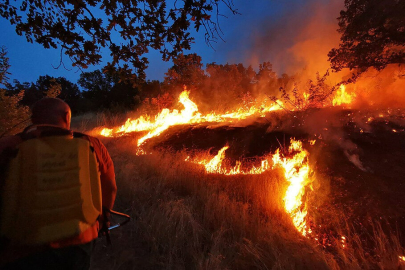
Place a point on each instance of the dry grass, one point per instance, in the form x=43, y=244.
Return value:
x=184, y=218
x=88, y=121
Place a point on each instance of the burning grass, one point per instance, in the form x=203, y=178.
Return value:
x=185, y=218
x=212, y=192
x=190, y=219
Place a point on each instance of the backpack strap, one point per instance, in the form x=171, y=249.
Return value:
x=37, y=131
x=85, y=137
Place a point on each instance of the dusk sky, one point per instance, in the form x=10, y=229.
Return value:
x=292, y=35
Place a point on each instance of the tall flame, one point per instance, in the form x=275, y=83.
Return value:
x=189, y=115
x=296, y=172
x=342, y=97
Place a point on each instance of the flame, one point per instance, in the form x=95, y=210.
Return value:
x=342, y=97
x=189, y=115
x=296, y=172
x=106, y=132
x=296, y=169
x=402, y=258
x=215, y=165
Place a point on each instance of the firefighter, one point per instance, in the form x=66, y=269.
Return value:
x=67, y=241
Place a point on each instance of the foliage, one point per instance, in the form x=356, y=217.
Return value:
x=47, y=86
x=266, y=72
x=107, y=91
x=373, y=35
x=156, y=104
x=4, y=65
x=54, y=89
x=162, y=101
x=186, y=71
x=314, y=94
x=226, y=83
x=12, y=114
x=129, y=29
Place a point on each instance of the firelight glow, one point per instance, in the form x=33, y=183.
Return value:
x=189, y=115
x=216, y=165
x=341, y=97
x=296, y=172
x=295, y=166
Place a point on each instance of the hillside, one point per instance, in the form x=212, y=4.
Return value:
x=187, y=218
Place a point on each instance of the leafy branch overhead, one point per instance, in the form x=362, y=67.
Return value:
x=128, y=28
x=373, y=35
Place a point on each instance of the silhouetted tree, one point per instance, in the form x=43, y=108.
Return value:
x=186, y=71
x=105, y=91
x=373, y=35
x=82, y=29
x=225, y=85
x=13, y=116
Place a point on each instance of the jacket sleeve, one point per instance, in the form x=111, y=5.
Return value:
x=107, y=174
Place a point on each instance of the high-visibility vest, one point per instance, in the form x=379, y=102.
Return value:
x=51, y=191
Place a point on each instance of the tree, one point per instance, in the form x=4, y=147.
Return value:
x=82, y=28
x=12, y=114
x=46, y=86
x=225, y=85
x=373, y=35
x=69, y=91
x=4, y=65
x=106, y=91
x=186, y=71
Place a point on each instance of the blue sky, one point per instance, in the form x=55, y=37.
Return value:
x=265, y=31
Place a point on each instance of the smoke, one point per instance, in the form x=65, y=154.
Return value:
x=300, y=39
x=297, y=43
x=325, y=124
x=380, y=89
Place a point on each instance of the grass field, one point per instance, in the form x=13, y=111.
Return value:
x=184, y=218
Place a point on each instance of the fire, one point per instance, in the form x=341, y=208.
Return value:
x=342, y=97
x=296, y=169
x=215, y=165
x=296, y=172
x=106, y=132
x=189, y=115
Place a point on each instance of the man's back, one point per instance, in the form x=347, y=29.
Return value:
x=52, y=184
x=70, y=252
